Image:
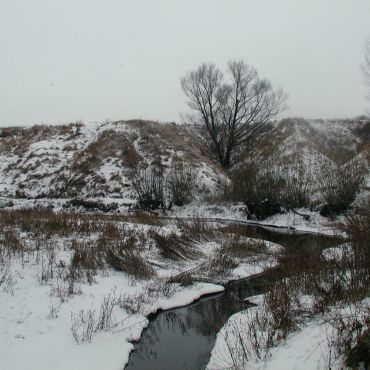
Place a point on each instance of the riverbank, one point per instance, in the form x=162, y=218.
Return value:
x=60, y=296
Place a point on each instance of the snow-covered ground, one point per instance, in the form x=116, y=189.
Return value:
x=305, y=349
x=40, y=311
x=317, y=340
x=310, y=347
x=36, y=325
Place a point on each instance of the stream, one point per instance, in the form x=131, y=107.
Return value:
x=183, y=338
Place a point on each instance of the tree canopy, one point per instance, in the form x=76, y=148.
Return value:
x=233, y=110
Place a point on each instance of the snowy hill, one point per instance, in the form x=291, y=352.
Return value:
x=99, y=160
x=297, y=138
x=96, y=160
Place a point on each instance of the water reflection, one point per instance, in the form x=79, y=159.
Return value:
x=183, y=338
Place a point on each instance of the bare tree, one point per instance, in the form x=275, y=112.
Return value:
x=233, y=112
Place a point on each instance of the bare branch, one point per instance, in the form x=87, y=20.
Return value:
x=232, y=111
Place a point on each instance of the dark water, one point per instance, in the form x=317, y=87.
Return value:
x=183, y=338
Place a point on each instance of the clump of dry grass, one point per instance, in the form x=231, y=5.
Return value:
x=221, y=264
x=12, y=243
x=87, y=256
x=241, y=247
x=175, y=247
x=198, y=228
x=130, y=262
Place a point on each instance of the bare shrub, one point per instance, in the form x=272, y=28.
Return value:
x=54, y=310
x=259, y=187
x=350, y=335
x=149, y=187
x=46, y=272
x=278, y=302
x=181, y=184
x=298, y=186
x=105, y=318
x=134, y=304
x=338, y=282
x=142, y=302
x=268, y=188
x=67, y=282
x=162, y=289
x=248, y=337
x=85, y=324
x=238, y=350
x=340, y=184
x=357, y=226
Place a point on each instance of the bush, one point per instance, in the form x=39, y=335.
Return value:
x=269, y=188
x=357, y=227
x=259, y=187
x=297, y=190
x=279, y=302
x=181, y=185
x=149, y=188
x=340, y=184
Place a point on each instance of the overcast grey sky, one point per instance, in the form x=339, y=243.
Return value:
x=90, y=60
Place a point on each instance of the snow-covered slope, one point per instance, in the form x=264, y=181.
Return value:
x=292, y=139
x=96, y=160
x=99, y=160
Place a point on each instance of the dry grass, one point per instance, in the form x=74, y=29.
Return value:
x=115, y=246
x=109, y=144
x=139, y=216
x=221, y=264
x=87, y=255
x=130, y=262
x=198, y=228
x=175, y=247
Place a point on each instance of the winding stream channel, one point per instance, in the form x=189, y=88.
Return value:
x=183, y=338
